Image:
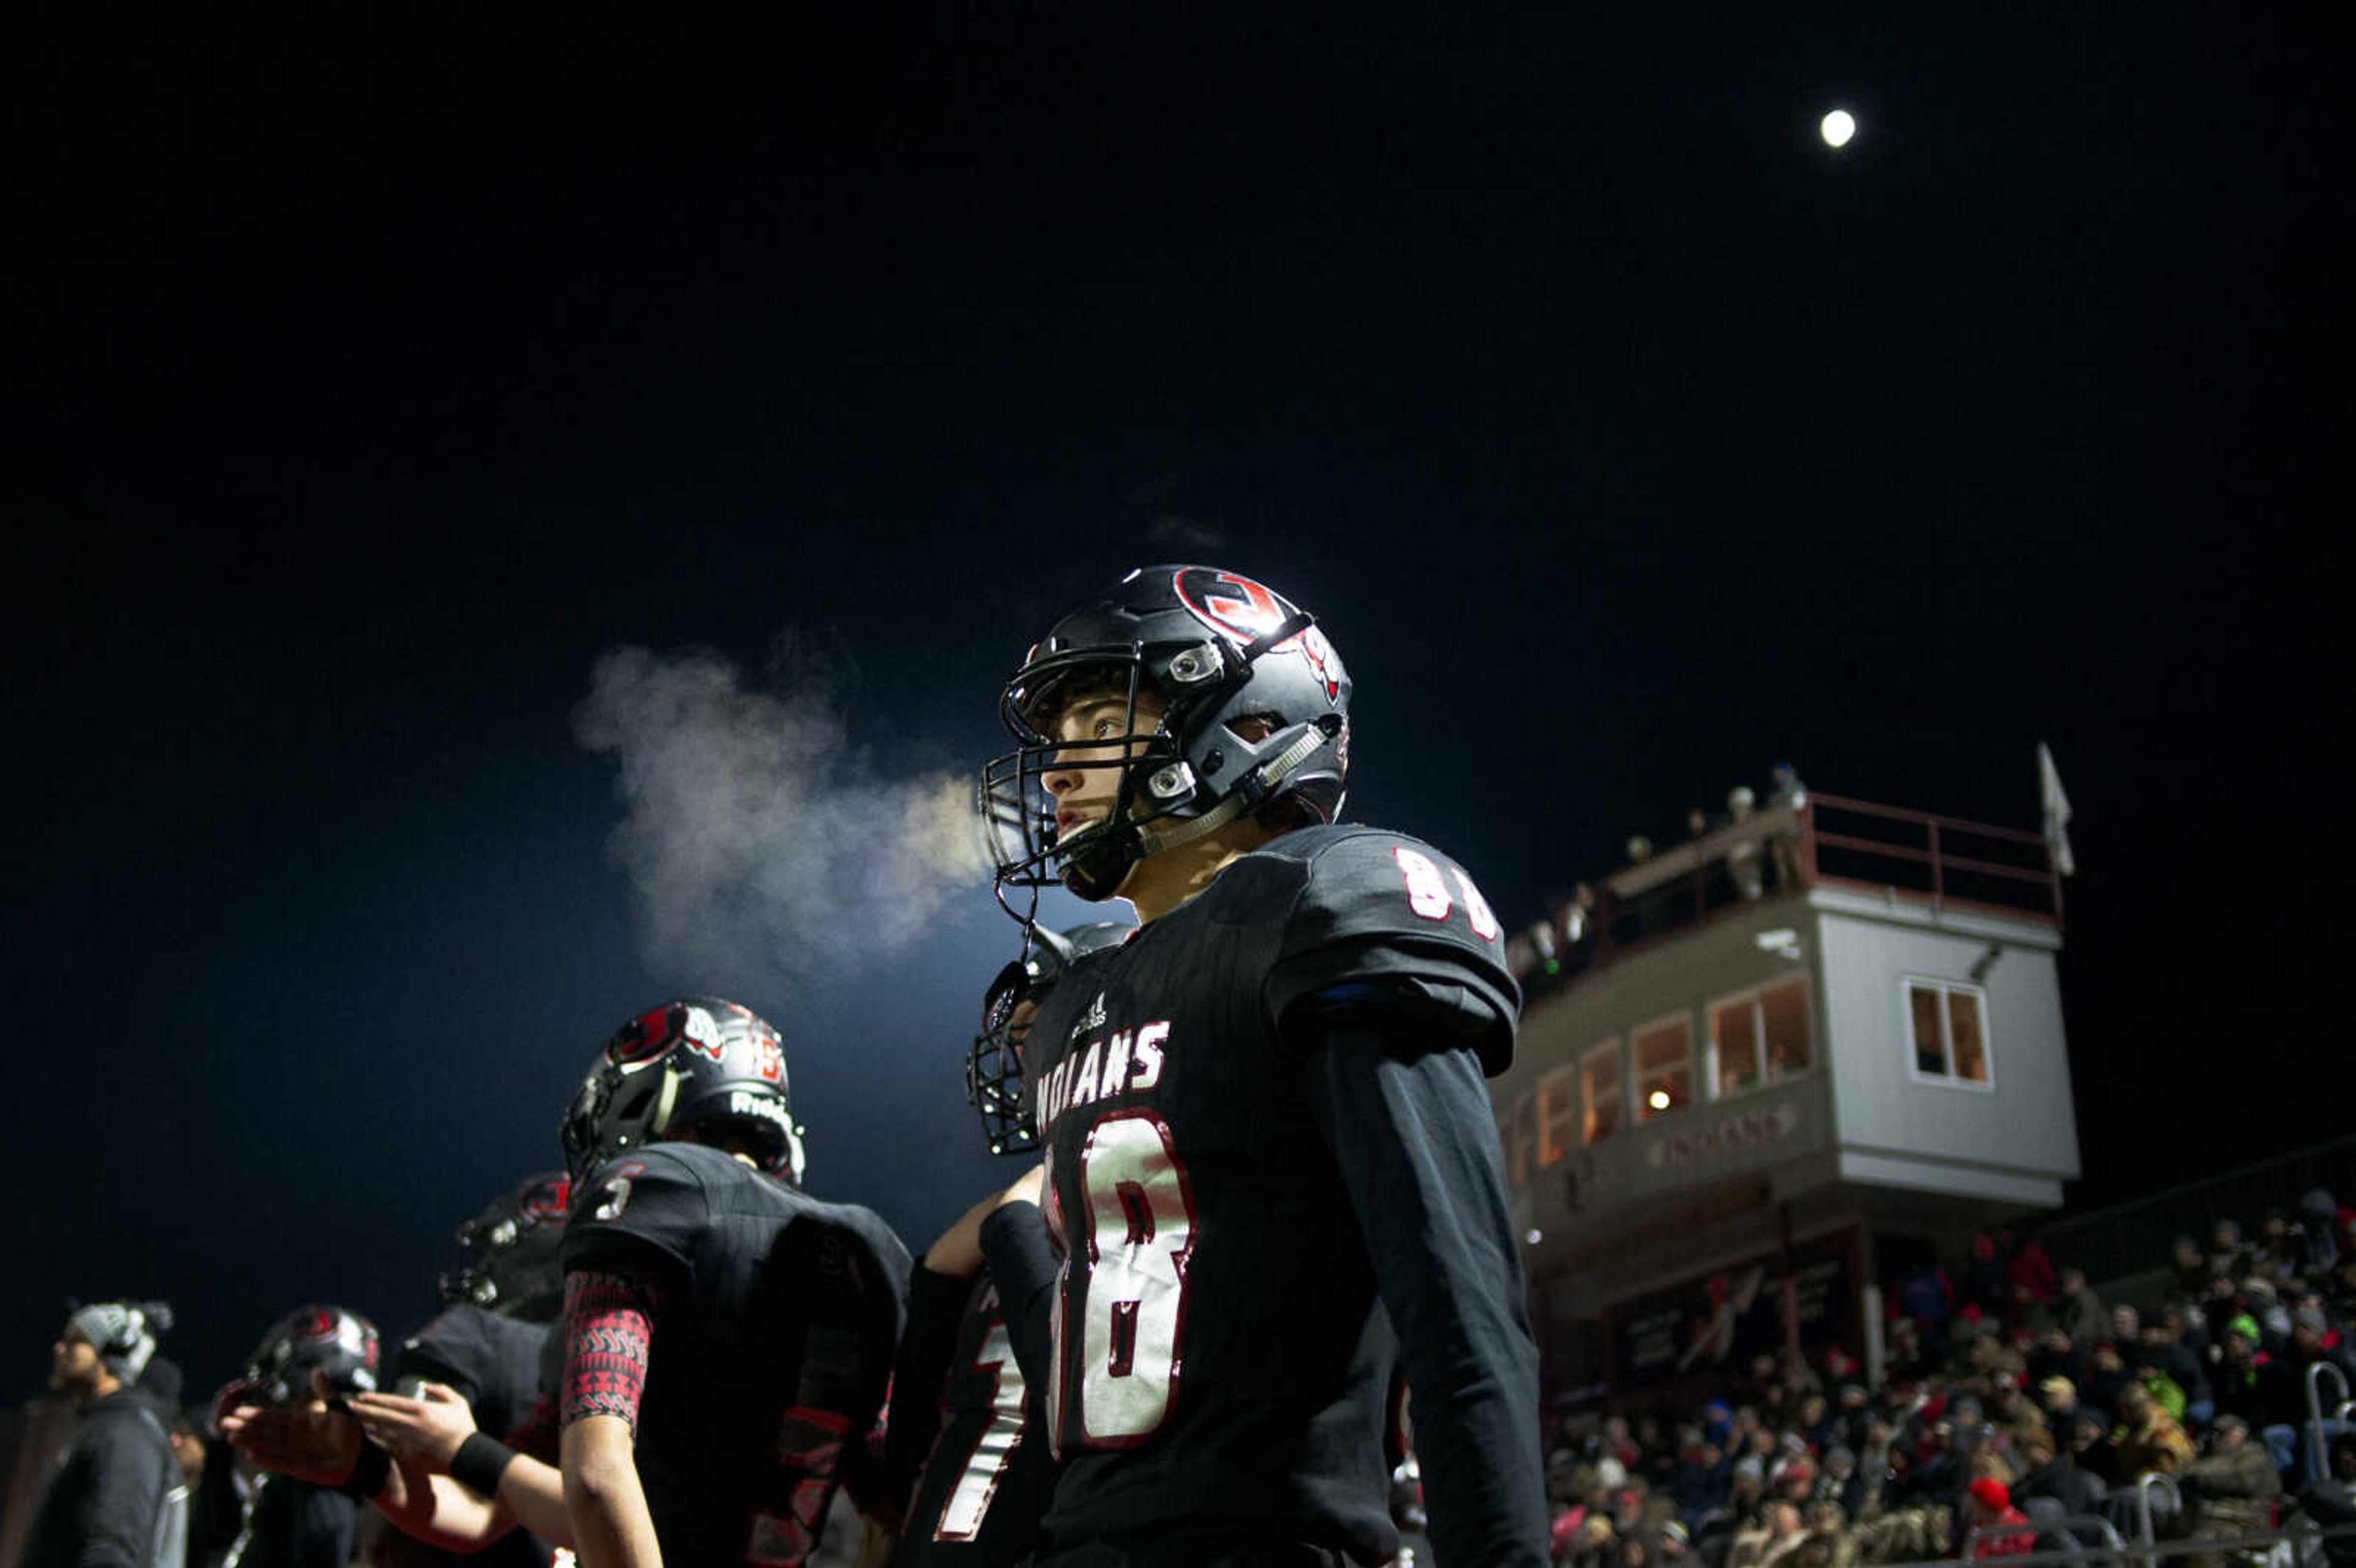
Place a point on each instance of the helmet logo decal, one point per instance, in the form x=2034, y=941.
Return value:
x=1244, y=610
x=548, y=1201
x=699, y=1032
x=772, y=1060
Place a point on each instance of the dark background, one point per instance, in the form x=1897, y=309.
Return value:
x=374, y=375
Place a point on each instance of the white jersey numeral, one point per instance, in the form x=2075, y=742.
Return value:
x=1138, y=1230
x=993, y=1448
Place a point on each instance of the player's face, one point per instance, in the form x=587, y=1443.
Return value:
x=1017, y=1026
x=1084, y=776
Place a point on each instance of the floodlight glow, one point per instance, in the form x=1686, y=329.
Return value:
x=1838, y=127
x=1660, y=1099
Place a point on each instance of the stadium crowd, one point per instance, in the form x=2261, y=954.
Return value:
x=2013, y=1398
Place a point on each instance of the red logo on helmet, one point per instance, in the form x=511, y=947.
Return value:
x=1245, y=611
x=772, y=1066
x=547, y=1200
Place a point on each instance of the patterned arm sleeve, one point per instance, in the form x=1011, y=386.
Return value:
x=608, y=1332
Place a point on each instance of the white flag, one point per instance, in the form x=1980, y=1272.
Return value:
x=2057, y=811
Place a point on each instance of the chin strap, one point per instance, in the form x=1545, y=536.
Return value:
x=1254, y=787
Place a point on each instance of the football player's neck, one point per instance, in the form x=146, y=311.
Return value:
x=1160, y=883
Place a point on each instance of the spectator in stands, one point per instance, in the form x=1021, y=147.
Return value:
x=2027, y=1266
x=2107, y=1376
x=2159, y=1353
x=2052, y=1473
x=1639, y=849
x=2330, y=1501
x=2232, y=1488
x=2320, y=1227
x=2148, y=1438
x=1926, y=1296
x=2190, y=1272
x=1984, y=1284
x=1743, y=855
x=2281, y=1249
x=2082, y=1314
x=2226, y=1254
x=2091, y=1448
x=2002, y=1529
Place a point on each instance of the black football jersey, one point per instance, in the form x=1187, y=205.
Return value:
x=493, y=1364
x=984, y=1482
x=1220, y=1352
x=771, y=1343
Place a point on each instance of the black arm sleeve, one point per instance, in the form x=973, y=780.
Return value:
x=117, y=1513
x=1024, y=1266
x=1412, y=1132
x=936, y=1303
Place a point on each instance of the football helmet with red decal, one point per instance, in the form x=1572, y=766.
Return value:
x=335, y=1341
x=1250, y=706
x=507, y=1254
x=993, y=1065
x=699, y=1067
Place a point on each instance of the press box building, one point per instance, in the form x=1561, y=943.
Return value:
x=1764, y=1070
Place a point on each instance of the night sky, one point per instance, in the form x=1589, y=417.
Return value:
x=371, y=378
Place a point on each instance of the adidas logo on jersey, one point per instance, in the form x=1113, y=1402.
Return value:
x=1094, y=1019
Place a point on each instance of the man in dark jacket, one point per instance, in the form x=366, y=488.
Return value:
x=110, y=1504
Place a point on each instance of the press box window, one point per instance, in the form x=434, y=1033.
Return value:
x=1759, y=1037
x=1948, y=1021
x=1663, y=1067
x=1599, y=1077
x=1556, y=1111
x=1518, y=1131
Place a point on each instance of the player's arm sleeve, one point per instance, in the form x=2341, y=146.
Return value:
x=1411, y=1131
x=936, y=1302
x=1024, y=1266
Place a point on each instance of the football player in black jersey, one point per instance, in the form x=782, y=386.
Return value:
x=477, y=1365
x=310, y=1356
x=1270, y=1153
x=727, y=1336
x=481, y=1362
x=965, y=1410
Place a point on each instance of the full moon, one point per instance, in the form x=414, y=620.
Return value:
x=1838, y=127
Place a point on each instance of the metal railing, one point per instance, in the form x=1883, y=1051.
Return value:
x=2123, y=1238
x=2317, y=1465
x=2302, y=1535
x=1823, y=841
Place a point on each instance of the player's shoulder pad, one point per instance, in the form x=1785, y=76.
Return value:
x=1386, y=917
x=1359, y=883
x=455, y=1349
x=856, y=1256
x=645, y=1205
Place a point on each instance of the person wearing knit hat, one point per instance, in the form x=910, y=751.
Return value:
x=117, y=1500
x=2001, y=1528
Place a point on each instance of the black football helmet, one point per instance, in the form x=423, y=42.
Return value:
x=696, y=1064
x=507, y=1254
x=993, y=1065
x=1216, y=649
x=334, y=1340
